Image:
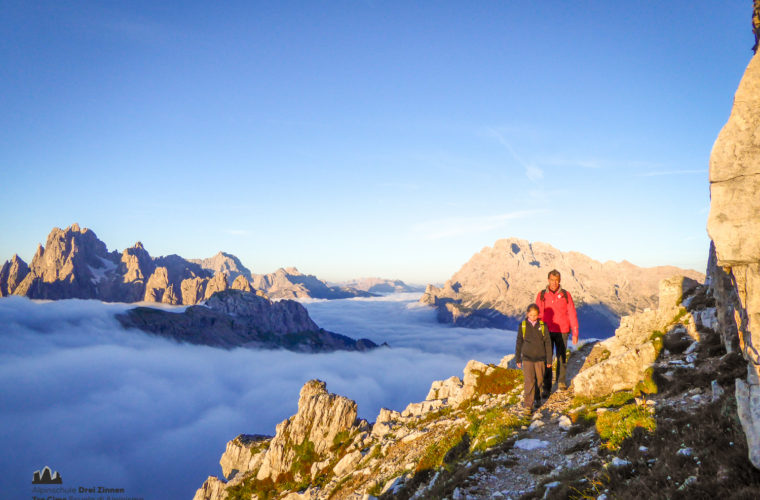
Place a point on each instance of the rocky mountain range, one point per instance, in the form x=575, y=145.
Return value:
x=74, y=263
x=649, y=415
x=496, y=285
x=382, y=286
x=289, y=283
x=238, y=318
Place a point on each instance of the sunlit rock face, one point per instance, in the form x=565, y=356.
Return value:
x=496, y=285
x=734, y=227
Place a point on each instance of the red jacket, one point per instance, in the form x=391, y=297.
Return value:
x=557, y=310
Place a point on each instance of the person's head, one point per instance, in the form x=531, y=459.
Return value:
x=533, y=312
x=554, y=279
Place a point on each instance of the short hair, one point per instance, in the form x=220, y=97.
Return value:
x=532, y=307
x=554, y=272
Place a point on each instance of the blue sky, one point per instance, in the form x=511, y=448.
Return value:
x=354, y=138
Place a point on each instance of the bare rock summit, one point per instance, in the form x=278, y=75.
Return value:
x=496, y=285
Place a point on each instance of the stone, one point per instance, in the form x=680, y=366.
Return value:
x=565, y=423
x=321, y=416
x=748, y=409
x=717, y=390
x=508, y=362
x=347, y=463
x=213, y=489
x=734, y=225
x=444, y=389
x=237, y=457
x=621, y=372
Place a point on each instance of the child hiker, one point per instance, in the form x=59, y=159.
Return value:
x=533, y=353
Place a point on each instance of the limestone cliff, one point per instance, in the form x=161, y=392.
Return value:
x=734, y=227
x=495, y=286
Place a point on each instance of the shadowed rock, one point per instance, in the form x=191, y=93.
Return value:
x=234, y=318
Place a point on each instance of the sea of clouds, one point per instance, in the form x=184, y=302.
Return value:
x=119, y=408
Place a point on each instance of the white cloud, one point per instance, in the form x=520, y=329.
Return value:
x=534, y=173
x=102, y=405
x=457, y=226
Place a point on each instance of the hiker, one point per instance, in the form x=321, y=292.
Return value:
x=557, y=310
x=533, y=353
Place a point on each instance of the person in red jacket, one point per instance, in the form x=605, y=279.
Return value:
x=557, y=310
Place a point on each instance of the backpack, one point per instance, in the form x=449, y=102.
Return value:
x=541, y=326
x=561, y=291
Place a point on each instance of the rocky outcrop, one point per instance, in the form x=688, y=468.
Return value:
x=290, y=283
x=241, y=283
x=12, y=274
x=734, y=227
x=234, y=318
x=245, y=453
x=216, y=284
x=320, y=419
x=381, y=286
x=495, y=286
x=621, y=362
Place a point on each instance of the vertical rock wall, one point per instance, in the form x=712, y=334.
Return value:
x=734, y=227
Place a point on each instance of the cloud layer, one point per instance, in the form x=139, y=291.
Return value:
x=105, y=406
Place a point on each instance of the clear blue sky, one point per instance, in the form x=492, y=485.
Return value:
x=356, y=138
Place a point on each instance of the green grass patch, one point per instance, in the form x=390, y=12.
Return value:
x=616, y=426
x=681, y=313
x=648, y=385
x=491, y=427
x=434, y=454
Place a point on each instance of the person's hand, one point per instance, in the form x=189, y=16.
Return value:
x=519, y=365
x=548, y=365
x=575, y=340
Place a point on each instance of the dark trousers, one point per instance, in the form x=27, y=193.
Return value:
x=559, y=343
x=533, y=374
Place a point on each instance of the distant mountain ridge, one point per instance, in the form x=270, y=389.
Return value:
x=382, y=286
x=496, y=285
x=74, y=263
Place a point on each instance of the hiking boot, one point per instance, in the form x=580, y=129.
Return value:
x=562, y=386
